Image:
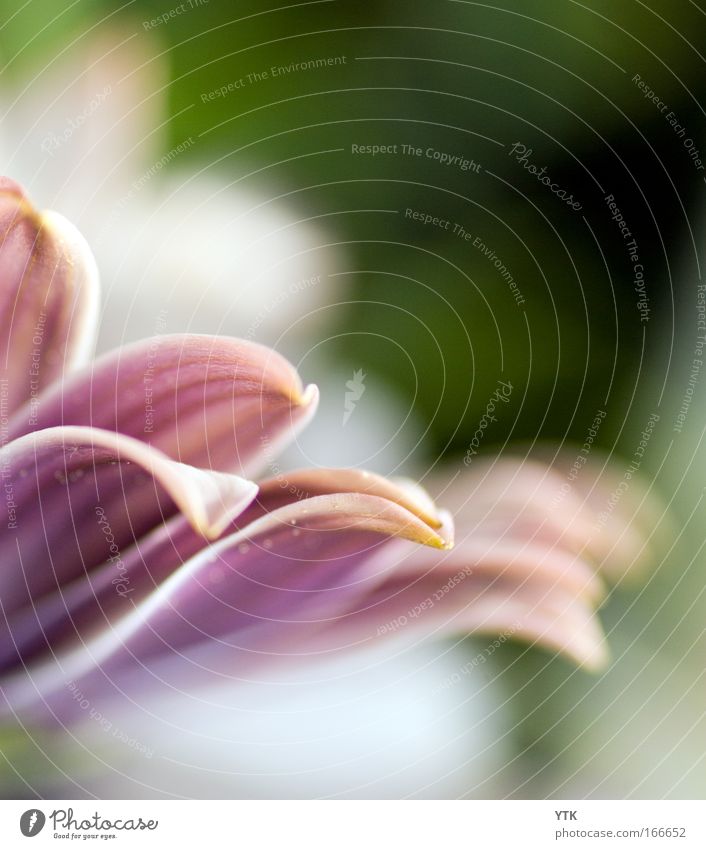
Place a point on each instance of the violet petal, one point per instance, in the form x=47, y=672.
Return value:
x=208, y=401
x=257, y=592
x=77, y=497
x=48, y=299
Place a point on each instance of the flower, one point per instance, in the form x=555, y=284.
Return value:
x=125, y=492
x=139, y=554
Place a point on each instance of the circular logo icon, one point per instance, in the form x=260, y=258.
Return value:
x=32, y=822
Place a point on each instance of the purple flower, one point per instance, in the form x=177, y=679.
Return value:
x=137, y=552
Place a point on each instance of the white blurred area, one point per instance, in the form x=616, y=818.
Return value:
x=375, y=725
x=382, y=433
x=178, y=249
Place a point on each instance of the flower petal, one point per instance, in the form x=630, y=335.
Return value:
x=538, y=611
x=209, y=401
x=76, y=497
x=48, y=299
x=629, y=521
x=442, y=601
x=577, y=501
x=520, y=568
x=307, y=483
x=520, y=560
x=253, y=593
x=522, y=497
x=96, y=597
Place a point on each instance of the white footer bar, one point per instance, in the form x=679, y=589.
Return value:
x=355, y=824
